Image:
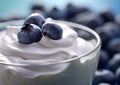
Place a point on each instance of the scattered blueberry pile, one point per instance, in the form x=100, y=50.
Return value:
x=35, y=27
x=104, y=23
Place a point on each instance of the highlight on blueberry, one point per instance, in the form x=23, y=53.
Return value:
x=104, y=84
x=52, y=30
x=104, y=75
x=29, y=33
x=114, y=62
x=36, y=19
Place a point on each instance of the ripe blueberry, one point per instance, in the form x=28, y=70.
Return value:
x=36, y=19
x=52, y=31
x=29, y=33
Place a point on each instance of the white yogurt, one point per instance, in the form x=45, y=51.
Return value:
x=39, y=55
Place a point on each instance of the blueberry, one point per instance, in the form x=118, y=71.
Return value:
x=52, y=31
x=72, y=10
x=107, y=15
x=112, y=29
x=35, y=18
x=105, y=76
x=104, y=84
x=55, y=13
x=117, y=74
x=103, y=60
x=108, y=31
x=37, y=7
x=103, y=35
x=113, y=46
x=29, y=33
x=114, y=63
x=88, y=19
x=83, y=34
x=40, y=12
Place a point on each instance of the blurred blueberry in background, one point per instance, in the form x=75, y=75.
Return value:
x=105, y=76
x=114, y=63
x=113, y=46
x=107, y=32
x=103, y=60
x=118, y=75
x=88, y=19
x=55, y=13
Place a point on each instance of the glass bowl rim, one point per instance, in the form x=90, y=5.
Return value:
x=97, y=46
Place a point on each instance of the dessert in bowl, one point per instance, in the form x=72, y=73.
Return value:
x=42, y=51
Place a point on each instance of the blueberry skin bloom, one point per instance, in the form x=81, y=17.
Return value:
x=52, y=30
x=29, y=34
x=36, y=19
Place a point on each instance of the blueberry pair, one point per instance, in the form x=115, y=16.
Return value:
x=35, y=27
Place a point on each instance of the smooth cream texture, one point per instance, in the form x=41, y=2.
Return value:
x=38, y=55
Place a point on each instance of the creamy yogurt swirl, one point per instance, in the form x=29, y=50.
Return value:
x=44, y=52
x=44, y=49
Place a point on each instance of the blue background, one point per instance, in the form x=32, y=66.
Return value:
x=22, y=7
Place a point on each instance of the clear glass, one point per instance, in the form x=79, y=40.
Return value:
x=78, y=70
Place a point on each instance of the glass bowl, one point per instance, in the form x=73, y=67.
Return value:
x=77, y=70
